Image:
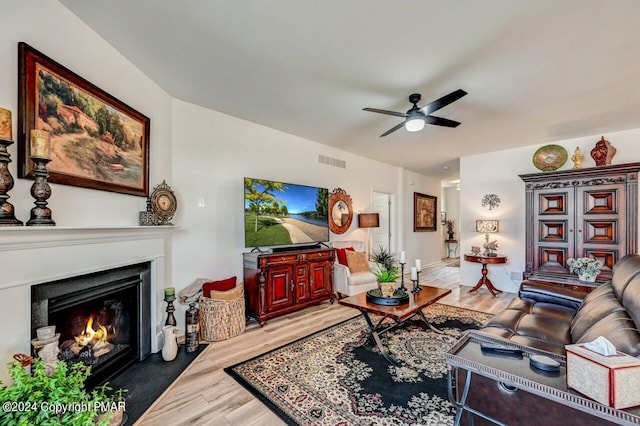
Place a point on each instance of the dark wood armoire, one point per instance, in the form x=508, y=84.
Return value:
x=590, y=212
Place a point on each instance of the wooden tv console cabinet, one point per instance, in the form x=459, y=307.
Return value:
x=279, y=283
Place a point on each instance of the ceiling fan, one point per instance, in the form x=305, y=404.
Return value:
x=416, y=117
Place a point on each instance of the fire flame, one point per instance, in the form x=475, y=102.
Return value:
x=95, y=337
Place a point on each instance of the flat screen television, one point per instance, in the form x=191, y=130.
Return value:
x=280, y=214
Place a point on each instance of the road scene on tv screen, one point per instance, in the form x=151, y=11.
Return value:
x=277, y=213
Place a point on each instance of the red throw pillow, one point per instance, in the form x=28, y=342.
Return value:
x=220, y=285
x=342, y=257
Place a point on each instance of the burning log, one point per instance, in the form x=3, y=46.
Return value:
x=88, y=346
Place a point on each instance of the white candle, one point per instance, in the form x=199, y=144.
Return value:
x=402, y=257
x=414, y=273
x=419, y=264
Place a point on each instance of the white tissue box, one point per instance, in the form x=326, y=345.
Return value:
x=611, y=380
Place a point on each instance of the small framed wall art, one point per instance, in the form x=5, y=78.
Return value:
x=424, y=212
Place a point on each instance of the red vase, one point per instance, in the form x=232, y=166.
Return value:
x=603, y=152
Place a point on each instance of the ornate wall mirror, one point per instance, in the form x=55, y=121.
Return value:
x=340, y=211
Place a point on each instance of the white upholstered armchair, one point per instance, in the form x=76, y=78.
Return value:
x=348, y=283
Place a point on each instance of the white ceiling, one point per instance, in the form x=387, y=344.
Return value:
x=536, y=70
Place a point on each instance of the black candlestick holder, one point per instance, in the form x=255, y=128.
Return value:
x=41, y=191
x=171, y=319
x=416, y=285
x=402, y=287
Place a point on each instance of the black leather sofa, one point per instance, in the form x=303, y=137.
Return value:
x=548, y=317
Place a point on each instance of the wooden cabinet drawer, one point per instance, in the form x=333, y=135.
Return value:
x=278, y=258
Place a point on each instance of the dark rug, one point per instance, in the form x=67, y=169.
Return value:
x=146, y=380
x=337, y=377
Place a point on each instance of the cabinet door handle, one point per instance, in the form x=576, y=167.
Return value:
x=570, y=230
x=580, y=231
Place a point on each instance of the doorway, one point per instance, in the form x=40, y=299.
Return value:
x=382, y=204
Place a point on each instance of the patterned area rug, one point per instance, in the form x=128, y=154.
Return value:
x=338, y=377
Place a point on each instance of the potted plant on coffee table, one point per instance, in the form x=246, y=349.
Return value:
x=386, y=280
x=386, y=272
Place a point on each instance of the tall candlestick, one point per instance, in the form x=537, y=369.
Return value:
x=419, y=264
x=40, y=144
x=403, y=258
x=7, y=216
x=5, y=125
x=414, y=273
x=41, y=191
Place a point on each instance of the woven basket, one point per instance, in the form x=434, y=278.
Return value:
x=222, y=315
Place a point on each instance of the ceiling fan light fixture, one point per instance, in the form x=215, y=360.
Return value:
x=414, y=124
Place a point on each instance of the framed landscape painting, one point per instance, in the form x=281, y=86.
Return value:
x=97, y=141
x=424, y=212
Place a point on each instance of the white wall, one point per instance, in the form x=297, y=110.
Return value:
x=425, y=246
x=479, y=175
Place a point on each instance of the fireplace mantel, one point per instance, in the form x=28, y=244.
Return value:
x=36, y=255
x=32, y=237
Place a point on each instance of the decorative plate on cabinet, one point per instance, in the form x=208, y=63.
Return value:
x=550, y=157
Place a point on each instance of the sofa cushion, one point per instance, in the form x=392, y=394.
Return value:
x=631, y=300
x=357, y=261
x=592, y=311
x=507, y=319
x=545, y=328
x=619, y=329
x=541, y=291
x=623, y=272
x=560, y=312
x=342, y=257
x=220, y=285
x=361, y=278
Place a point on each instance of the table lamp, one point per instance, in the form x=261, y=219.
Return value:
x=368, y=220
x=488, y=227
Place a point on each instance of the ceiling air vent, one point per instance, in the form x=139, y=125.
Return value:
x=324, y=159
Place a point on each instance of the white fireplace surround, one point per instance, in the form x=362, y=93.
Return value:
x=35, y=255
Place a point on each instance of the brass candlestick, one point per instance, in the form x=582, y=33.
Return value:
x=41, y=191
x=7, y=216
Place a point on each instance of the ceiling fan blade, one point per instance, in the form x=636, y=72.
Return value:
x=393, y=129
x=442, y=102
x=384, y=111
x=439, y=121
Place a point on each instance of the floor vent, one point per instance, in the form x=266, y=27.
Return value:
x=332, y=161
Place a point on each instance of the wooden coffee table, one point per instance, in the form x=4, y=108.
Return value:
x=399, y=313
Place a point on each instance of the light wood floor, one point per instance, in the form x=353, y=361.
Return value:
x=205, y=395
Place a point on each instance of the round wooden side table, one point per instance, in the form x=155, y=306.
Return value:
x=484, y=261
